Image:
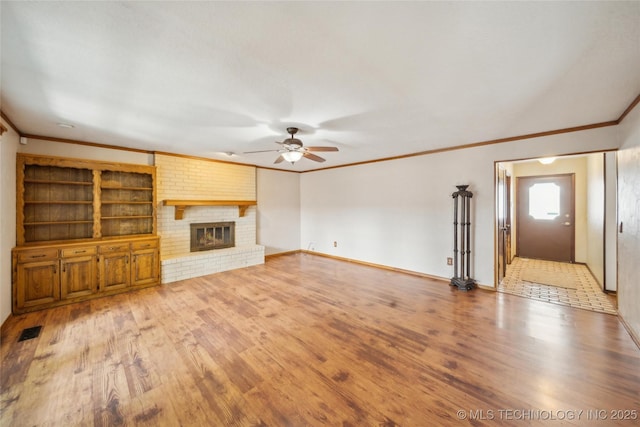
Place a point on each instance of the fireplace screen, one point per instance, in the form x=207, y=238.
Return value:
x=214, y=235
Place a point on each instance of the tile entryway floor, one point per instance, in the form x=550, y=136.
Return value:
x=586, y=295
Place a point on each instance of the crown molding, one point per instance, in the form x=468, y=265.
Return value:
x=481, y=144
x=615, y=122
x=9, y=122
x=628, y=110
x=86, y=143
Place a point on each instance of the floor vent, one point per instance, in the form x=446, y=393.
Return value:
x=30, y=333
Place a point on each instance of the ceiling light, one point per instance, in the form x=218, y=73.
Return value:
x=547, y=160
x=292, y=156
x=65, y=125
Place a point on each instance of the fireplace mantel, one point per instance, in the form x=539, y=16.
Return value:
x=181, y=205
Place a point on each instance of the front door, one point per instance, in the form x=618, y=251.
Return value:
x=545, y=217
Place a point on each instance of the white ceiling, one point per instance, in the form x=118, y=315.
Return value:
x=375, y=79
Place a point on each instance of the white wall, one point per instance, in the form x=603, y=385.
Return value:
x=8, y=148
x=399, y=213
x=278, y=211
x=629, y=214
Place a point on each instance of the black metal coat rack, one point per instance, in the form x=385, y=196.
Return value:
x=462, y=239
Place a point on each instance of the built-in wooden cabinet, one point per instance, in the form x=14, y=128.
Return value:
x=84, y=229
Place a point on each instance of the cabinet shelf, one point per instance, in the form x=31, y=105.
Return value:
x=58, y=202
x=71, y=199
x=126, y=217
x=31, y=224
x=50, y=182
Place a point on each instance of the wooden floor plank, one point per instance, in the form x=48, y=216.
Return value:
x=310, y=341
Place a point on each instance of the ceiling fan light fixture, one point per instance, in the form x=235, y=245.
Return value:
x=292, y=150
x=292, y=156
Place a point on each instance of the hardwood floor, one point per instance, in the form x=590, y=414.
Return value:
x=305, y=340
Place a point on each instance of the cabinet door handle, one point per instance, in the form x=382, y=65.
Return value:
x=64, y=267
x=126, y=258
x=79, y=252
x=37, y=256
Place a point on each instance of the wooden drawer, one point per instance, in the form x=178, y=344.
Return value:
x=144, y=244
x=43, y=254
x=79, y=251
x=114, y=248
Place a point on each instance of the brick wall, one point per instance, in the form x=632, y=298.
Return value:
x=186, y=178
x=192, y=179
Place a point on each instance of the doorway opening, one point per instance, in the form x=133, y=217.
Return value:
x=563, y=212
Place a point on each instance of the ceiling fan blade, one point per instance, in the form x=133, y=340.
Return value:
x=261, y=151
x=280, y=159
x=312, y=157
x=322, y=148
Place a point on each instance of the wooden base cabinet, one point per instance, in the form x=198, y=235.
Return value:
x=146, y=262
x=52, y=275
x=40, y=269
x=78, y=272
x=115, y=266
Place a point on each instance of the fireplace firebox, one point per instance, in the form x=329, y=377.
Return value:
x=212, y=235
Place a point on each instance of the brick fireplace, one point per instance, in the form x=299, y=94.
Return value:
x=195, y=179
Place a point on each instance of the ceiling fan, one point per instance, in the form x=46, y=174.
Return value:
x=292, y=149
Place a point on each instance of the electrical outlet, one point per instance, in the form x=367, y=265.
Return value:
x=449, y=261
x=335, y=244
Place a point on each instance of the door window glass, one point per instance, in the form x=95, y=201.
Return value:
x=544, y=201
